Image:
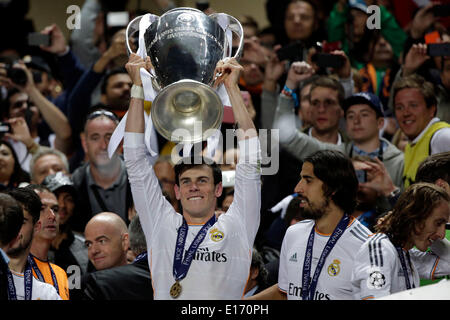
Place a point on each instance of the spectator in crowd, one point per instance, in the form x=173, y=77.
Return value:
x=107, y=240
x=26, y=286
x=415, y=109
x=257, y=281
x=165, y=173
x=347, y=23
x=45, y=232
x=102, y=184
x=27, y=97
x=435, y=169
x=11, y=173
x=11, y=220
x=67, y=248
x=416, y=223
x=45, y=162
x=127, y=282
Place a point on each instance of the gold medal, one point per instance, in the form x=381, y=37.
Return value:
x=175, y=290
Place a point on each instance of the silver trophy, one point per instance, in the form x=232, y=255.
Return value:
x=184, y=46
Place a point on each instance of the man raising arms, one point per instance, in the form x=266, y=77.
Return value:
x=193, y=255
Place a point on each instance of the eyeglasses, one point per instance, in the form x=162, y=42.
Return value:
x=102, y=112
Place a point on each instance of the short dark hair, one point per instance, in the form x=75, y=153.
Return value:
x=29, y=199
x=187, y=163
x=338, y=175
x=11, y=218
x=436, y=166
x=138, y=243
x=108, y=75
x=330, y=83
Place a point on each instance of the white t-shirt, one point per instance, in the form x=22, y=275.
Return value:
x=220, y=268
x=40, y=290
x=378, y=271
x=334, y=280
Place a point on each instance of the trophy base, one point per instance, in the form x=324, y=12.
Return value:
x=186, y=111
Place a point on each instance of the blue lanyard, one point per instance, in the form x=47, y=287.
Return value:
x=309, y=285
x=140, y=257
x=39, y=273
x=180, y=265
x=27, y=280
x=405, y=270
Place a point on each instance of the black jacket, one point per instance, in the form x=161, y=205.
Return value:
x=83, y=208
x=129, y=282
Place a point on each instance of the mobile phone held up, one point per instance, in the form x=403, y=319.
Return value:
x=38, y=39
x=291, y=52
x=438, y=49
x=326, y=60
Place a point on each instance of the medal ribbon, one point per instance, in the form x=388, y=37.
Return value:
x=39, y=273
x=309, y=285
x=404, y=268
x=27, y=282
x=181, y=265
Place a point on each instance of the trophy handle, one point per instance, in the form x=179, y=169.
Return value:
x=134, y=26
x=235, y=26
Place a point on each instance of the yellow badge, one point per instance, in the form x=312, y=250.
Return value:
x=334, y=268
x=216, y=235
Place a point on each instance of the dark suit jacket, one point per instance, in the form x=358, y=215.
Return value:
x=129, y=282
x=3, y=279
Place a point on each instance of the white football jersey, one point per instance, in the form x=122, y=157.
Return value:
x=221, y=265
x=39, y=290
x=334, y=280
x=378, y=271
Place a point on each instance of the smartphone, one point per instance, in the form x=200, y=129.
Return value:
x=5, y=127
x=438, y=49
x=228, y=178
x=291, y=52
x=441, y=10
x=202, y=5
x=117, y=19
x=325, y=60
x=38, y=39
x=361, y=175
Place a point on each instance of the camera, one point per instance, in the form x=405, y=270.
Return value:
x=17, y=75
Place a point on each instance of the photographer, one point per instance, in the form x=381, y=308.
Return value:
x=26, y=101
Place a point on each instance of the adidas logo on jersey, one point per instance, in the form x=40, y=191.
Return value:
x=293, y=258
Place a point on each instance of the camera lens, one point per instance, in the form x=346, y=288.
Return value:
x=18, y=76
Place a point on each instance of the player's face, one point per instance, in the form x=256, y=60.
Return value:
x=433, y=228
x=25, y=235
x=197, y=192
x=310, y=190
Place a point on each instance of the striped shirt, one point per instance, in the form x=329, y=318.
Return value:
x=378, y=271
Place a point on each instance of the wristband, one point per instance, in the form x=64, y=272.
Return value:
x=137, y=92
x=290, y=93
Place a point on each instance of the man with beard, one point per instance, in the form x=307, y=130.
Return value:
x=45, y=233
x=26, y=286
x=317, y=254
x=102, y=183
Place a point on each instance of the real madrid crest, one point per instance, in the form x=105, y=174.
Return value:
x=334, y=268
x=216, y=235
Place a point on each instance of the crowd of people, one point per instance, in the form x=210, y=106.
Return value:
x=358, y=208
